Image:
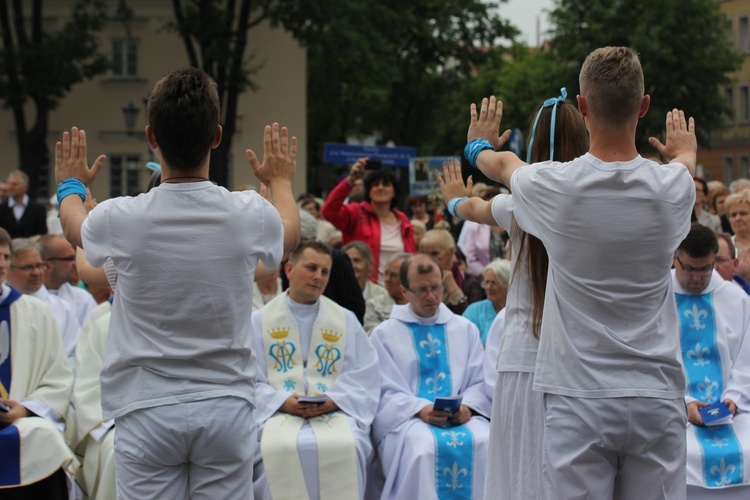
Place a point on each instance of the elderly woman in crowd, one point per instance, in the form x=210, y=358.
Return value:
x=738, y=213
x=496, y=277
x=361, y=258
x=374, y=221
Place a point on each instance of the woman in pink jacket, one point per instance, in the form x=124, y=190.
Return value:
x=374, y=221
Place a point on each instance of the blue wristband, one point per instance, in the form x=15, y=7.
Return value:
x=68, y=187
x=474, y=147
x=453, y=205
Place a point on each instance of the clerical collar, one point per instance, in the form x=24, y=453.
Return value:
x=431, y=320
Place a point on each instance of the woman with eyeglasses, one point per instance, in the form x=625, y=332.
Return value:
x=375, y=221
x=495, y=280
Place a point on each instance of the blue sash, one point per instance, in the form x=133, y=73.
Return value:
x=454, y=446
x=10, y=441
x=5, y=371
x=722, y=454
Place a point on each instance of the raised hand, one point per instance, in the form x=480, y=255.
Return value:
x=70, y=158
x=357, y=171
x=681, y=142
x=452, y=186
x=486, y=125
x=279, y=156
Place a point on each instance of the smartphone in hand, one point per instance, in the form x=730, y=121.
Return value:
x=4, y=408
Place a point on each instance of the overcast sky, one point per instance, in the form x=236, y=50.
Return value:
x=523, y=14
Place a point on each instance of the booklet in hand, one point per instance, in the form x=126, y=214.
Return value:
x=318, y=400
x=450, y=404
x=716, y=414
x=4, y=408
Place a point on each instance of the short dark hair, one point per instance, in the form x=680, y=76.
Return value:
x=416, y=199
x=183, y=112
x=728, y=239
x=385, y=176
x=422, y=267
x=700, y=242
x=304, y=244
x=702, y=182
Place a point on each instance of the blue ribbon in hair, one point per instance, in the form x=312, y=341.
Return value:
x=552, y=101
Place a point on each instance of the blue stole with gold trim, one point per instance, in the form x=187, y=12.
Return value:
x=722, y=454
x=10, y=441
x=454, y=446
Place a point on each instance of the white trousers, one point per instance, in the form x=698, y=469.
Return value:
x=626, y=448
x=197, y=450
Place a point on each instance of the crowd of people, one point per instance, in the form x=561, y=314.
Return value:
x=566, y=333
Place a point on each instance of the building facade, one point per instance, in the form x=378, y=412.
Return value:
x=728, y=158
x=110, y=107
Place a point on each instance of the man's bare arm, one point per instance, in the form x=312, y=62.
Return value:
x=497, y=165
x=277, y=172
x=70, y=163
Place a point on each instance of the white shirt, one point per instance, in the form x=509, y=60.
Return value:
x=65, y=317
x=18, y=208
x=185, y=256
x=80, y=299
x=391, y=242
x=519, y=346
x=610, y=324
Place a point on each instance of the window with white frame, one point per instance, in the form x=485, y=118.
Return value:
x=124, y=175
x=729, y=98
x=744, y=166
x=730, y=31
x=124, y=58
x=727, y=169
x=744, y=110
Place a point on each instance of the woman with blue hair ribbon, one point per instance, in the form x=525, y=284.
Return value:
x=514, y=466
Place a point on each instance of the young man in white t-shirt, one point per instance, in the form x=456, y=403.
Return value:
x=609, y=359
x=179, y=371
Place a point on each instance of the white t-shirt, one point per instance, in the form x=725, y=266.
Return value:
x=610, y=325
x=185, y=256
x=391, y=242
x=519, y=346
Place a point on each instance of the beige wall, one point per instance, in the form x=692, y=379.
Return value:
x=96, y=106
x=730, y=148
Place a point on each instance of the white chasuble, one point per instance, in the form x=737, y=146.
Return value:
x=286, y=370
x=412, y=452
x=40, y=378
x=714, y=333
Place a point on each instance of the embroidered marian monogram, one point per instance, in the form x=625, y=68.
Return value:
x=282, y=351
x=327, y=354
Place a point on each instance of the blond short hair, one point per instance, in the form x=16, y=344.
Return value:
x=611, y=80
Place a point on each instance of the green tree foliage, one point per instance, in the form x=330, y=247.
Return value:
x=520, y=77
x=684, y=49
x=215, y=34
x=39, y=67
x=389, y=67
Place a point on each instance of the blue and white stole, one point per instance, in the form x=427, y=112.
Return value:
x=10, y=441
x=722, y=454
x=454, y=446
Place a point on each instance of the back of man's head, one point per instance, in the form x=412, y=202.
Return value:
x=611, y=81
x=183, y=112
x=700, y=242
